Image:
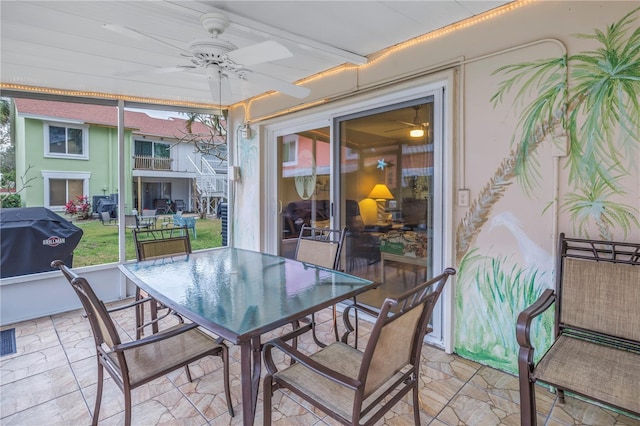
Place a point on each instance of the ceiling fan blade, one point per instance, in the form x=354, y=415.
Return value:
x=407, y=123
x=266, y=51
x=138, y=35
x=155, y=71
x=272, y=83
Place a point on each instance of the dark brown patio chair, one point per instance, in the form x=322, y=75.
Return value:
x=321, y=247
x=355, y=387
x=154, y=244
x=132, y=364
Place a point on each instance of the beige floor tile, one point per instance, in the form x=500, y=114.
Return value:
x=436, y=389
x=35, y=390
x=475, y=406
x=66, y=410
x=575, y=411
x=207, y=394
x=52, y=380
x=164, y=409
x=32, y=363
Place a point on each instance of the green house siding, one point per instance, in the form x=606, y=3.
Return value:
x=101, y=163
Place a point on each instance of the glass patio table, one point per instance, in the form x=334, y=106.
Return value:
x=240, y=295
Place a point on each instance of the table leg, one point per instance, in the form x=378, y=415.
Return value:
x=250, y=369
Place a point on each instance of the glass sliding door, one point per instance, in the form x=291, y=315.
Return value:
x=304, y=184
x=387, y=187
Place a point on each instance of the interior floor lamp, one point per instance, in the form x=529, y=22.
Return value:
x=381, y=194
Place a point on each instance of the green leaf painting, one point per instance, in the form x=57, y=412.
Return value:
x=592, y=100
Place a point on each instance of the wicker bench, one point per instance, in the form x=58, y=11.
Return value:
x=596, y=352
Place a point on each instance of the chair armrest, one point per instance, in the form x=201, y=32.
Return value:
x=155, y=337
x=523, y=325
x=129, y=305
x=307, y=361
x=347, y=321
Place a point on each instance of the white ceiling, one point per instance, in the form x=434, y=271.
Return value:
x=65, y=45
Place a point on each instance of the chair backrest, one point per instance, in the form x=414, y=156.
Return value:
x=180, y=220
x=397, y=335
x=157, y=243
x=180, y=205
x=131, y=220
x=105, y=217
x=104, y=330
x=148, y=212
x=599, y=287
x=320, y=246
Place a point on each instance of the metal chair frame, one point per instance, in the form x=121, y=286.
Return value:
x=132, y=364
x=355, y=387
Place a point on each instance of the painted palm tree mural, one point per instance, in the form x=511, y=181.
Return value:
x=591, y=100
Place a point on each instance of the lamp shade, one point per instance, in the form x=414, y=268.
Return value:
x=380, y=192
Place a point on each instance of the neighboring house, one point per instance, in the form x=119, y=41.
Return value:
x=73, y=150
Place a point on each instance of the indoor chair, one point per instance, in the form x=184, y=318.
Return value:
x=355, y=387
x=155, y=244
x=321, y=247
x=132, y=364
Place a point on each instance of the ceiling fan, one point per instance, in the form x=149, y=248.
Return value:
x=418, y=129
x=224, y=63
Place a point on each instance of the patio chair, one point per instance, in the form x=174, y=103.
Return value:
x=133, y=364
x=131, y=221
x=148, y=217
x=355, y=387
x=163, y=206
x=106, y=219
x=155, y=244
x=185, y=222
x=180, y=205
x=322, y=247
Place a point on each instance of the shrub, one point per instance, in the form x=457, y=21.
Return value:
x=12, y=200
x=80, y=208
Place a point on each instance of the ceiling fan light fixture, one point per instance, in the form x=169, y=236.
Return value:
x=416, y=132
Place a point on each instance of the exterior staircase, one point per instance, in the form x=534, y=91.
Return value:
x=210, y=185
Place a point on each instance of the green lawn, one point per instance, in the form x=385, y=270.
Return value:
x=99, y=243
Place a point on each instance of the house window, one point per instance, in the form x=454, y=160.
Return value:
x=290, y=150
x=60, y=187
x=66, y=141
x=152, y=155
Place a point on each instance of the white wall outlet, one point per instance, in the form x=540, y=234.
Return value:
x=463, y=198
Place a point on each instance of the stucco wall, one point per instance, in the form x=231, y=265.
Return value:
x=527, y=182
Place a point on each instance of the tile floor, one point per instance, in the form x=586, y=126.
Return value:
x=51, y=380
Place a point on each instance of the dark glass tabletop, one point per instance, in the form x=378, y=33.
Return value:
x=241, y=293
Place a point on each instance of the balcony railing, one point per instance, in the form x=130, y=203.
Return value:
x=142, y=162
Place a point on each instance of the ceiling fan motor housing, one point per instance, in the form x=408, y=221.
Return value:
x=214, y=23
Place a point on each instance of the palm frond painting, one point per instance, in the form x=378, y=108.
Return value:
x=590, y=101
x=599, y=113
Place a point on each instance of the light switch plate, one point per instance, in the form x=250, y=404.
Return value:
x=463, y=198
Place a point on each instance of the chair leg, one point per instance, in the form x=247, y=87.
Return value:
x=416, y=405
x=266, y=403
x=127, y=406
x=154, y=315
x=527, y=400
x=335, y=323
x=96, y=408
